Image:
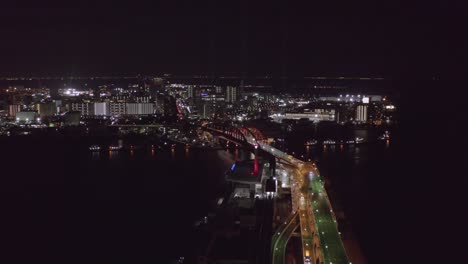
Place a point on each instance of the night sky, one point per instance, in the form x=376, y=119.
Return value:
x=233, y=37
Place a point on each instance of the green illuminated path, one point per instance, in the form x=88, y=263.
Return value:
x=330, y=240
x=281, y=237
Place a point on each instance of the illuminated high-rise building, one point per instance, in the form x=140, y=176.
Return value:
x=140, y=108
x=102, y=108
x=361, y=113
x=85, y=109
x=190, y=91
x=117, y=108
x=46, y=109
x=232, y=94
x=13, y=109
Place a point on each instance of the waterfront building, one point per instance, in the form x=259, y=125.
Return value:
x=13, y=109
x=140, y=108
x=361, y=113
x=46, y=109
x=86, y=109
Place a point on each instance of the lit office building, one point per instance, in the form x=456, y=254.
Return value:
x=117, y=108
x=232, y=94
x=361, y=113
x=85, y=109
x=316, y=115
x=140, y=108
x=13, y=109
x=190, y=91
x=142, y=98
x=46, y=109
x=102, y=109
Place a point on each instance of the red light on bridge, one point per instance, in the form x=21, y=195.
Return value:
x=255, y=171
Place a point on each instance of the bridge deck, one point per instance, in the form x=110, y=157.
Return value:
x=318, y=203
x=330, y=240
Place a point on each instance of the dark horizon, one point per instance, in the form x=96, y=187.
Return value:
x=243, y=38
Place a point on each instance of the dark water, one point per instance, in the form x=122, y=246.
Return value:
x=64, y=204
x=362, y=183
x=358, y=181
x=67, y=205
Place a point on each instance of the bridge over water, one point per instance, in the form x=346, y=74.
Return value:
x=321, y=239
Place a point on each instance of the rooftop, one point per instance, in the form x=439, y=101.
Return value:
x=248, y=171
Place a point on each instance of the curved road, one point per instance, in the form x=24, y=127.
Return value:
x=281, y=237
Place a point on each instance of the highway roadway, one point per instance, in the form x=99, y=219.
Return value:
x=307, y=235
x=281, y=237
x=302, y=194
x=330, y=239
x=314, y=210
x=300, y=198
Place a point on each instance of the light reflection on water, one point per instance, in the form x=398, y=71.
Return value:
x=112, y=154
x=187, y=153
x=227, y=156
x=173, y=154
x=355, y=152
x=114, y=191
x=95, y=155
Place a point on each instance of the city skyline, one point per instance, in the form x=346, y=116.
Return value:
x=267, y=132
